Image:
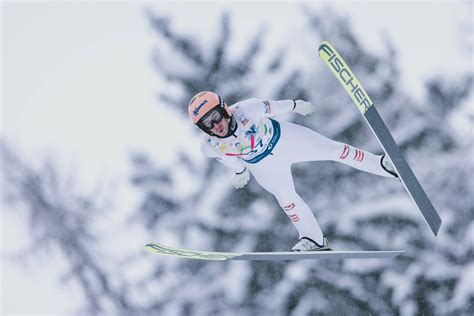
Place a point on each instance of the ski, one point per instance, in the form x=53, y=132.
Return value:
x=365, y=105
x=269, y=256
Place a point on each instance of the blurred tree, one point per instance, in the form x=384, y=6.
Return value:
x=61, y=220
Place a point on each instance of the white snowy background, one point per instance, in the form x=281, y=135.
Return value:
x=81, y=92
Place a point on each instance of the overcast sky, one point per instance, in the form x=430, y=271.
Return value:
x=77, y=85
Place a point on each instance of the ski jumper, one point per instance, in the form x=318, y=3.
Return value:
x=268, y=148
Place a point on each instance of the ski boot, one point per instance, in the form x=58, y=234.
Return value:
x=388, y=166
x=307, y=244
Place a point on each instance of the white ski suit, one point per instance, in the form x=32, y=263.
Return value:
x=268, y=148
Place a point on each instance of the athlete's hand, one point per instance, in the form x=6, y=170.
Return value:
x=241, y=179
x=303, y=107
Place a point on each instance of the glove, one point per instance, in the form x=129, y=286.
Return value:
x=303, y=107
x=241, y=179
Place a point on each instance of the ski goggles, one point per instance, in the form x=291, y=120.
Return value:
x=214, y=116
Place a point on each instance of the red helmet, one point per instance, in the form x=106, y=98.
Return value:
x=202, y=104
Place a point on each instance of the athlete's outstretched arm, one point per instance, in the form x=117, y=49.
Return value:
x=231, y=162
x=269, y=108
x=241, y=176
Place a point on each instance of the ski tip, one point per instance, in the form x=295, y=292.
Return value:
x=149, y=248
x=189, y=254
x=325, y=50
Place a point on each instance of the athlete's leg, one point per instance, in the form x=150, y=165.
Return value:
x=303, y=144
x=275, y=177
